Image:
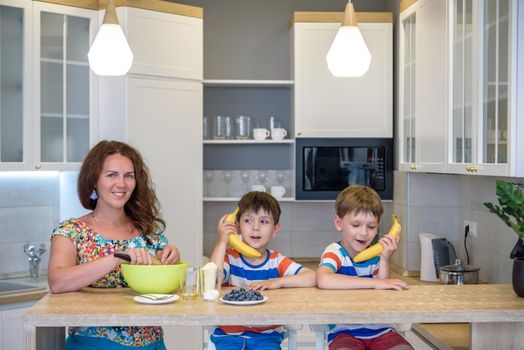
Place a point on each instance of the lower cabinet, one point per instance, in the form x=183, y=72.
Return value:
x=11, y=329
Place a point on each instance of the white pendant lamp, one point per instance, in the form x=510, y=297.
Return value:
x=348, y=55
x=110, y=53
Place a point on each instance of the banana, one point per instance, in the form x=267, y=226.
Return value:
x=377, y=248
x=237, y=243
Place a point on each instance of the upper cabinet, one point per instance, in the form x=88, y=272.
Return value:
x=458, y=87
x=167, y=44
x=326, y=106
x=47, y=119
x=15, y=24
x=63, y=88
x=484, y=126
x=423, y=87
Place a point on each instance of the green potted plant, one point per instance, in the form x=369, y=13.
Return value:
x=510, y=209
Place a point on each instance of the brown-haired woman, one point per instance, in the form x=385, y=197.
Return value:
x=115, y=184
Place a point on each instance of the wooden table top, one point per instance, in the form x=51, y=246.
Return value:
x=419, y=304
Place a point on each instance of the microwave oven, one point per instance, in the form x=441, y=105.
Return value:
x=324, y=167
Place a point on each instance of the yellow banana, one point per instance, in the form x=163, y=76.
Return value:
x=237, y=243
x=377, y=248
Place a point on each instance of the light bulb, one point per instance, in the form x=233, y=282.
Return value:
x=110, y=53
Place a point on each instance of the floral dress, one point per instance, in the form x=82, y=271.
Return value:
x=90, y=246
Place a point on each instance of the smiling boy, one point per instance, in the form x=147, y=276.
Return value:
x=357, y=218
x=258, y=223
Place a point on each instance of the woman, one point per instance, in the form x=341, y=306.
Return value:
x=115, y=184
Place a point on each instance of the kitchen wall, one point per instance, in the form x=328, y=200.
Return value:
x=306, y=227
x=249, y=39
x=29, y=210
x=253, y=42
x=439, y=204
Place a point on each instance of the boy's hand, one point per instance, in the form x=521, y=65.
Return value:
x=390, y=284
x=224, y=228
x=390, y=245
x=269, y=284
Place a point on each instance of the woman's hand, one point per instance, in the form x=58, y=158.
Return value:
x=168, y=255
x=139, y=256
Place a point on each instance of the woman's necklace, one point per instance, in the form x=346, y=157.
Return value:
x=108, y=223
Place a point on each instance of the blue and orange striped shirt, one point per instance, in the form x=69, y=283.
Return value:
x=337, y=259
x=240, y=273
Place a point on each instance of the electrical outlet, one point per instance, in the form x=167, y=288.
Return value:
x=472, y=228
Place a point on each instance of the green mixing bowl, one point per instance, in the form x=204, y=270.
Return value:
x=155, y=279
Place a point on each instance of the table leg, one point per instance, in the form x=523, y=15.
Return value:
x=500, y=335
x=29, y=337
x=44, y=338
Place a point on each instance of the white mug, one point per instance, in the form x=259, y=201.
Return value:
x=278, y=134
x=260, y=134
x=259, y=188
x=278, y=191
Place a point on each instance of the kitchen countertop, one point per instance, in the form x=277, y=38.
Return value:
x=496, y=313
x=28, y=295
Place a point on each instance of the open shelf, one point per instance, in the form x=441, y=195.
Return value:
x=232, y=142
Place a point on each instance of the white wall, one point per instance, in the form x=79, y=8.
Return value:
x=29, y=210
x=439, y=204
x=306, y=228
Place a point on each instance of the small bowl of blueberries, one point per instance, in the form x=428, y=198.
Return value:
x=243, y=296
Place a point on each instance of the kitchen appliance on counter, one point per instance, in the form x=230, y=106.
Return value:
x=435, y=252
x=459, y=273
x=324, y=167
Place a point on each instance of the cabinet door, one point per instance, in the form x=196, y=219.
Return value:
x=423, y=87
x=12, y=328
x=462, y=94
x=165, y=123
x=63, y=85
x=495, y=98
x=431, y=86
x=326, y=106
x=483, y=64
x=15, y=107
x=165, y=44
x=407, y=90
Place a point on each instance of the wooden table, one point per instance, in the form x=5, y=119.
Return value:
x=496, y=313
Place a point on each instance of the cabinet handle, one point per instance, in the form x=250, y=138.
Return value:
x=299, y=133
x=38, y=166
x=468, y=168
x=474, y=169
x=413, y=167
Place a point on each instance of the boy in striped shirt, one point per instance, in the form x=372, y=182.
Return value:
x=358, y=212
x=257, y=222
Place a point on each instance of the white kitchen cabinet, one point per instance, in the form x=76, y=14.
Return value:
x=164, y=44
x=423, y=87
x=11, y=329
x=47, y=117
x=15, y=80
x=157, y=108
x=484, y=127
x=326, y=106
x=162, y=117
x=63, y=86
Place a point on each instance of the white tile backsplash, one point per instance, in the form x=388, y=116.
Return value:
x=29, y=210
x=306, y=227
x=439, y=204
